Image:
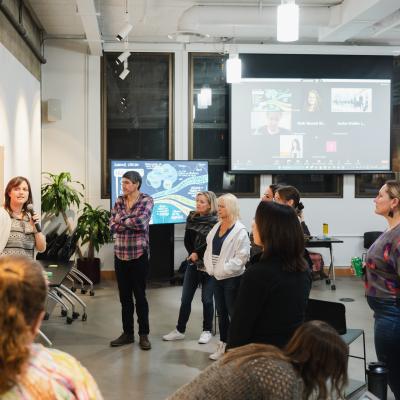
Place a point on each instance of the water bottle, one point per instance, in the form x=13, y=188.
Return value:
x=377, y=379
x=356, y=264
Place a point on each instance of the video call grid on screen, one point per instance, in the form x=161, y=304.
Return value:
x=173, y=185
x=307, y=125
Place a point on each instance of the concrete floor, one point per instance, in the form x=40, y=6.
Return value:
x=129, y=372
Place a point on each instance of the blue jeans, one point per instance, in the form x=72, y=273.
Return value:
x=191, y=281
x=387, y=337
x=225, y=292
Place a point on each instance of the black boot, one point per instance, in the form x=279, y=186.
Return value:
x=125, y=338
x=144, y=342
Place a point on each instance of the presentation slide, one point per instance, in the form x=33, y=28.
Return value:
x=172, y=184
x=310, y=125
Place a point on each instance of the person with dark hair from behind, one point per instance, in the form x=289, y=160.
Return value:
x=18, y=234
x=129, y=222
x=312, y=365
x=198, y=224
x=273, y=293
x=290, y=196
x=28, y=370
x=255, y=251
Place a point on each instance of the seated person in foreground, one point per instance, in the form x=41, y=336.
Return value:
x=273, y=293
x=27, y=370
x=312, y=365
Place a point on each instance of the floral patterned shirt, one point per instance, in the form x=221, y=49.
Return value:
x=55, y=375
x=383, y=265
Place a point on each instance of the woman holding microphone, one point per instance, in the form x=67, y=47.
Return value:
x=18, y=233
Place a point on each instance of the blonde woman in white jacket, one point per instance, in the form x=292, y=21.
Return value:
x=228, y=250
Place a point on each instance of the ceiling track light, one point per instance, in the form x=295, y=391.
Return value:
x=122, y=57
x=124, y=32
x=124, y=74
x=287, y=27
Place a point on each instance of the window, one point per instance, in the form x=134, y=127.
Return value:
x=313, y=185
x=137, y=111
x=209, y=125
x=368, y=185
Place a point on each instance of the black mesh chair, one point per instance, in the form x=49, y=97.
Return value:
x=335, y=314
x=369, y=239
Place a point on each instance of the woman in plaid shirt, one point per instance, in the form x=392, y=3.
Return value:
x=129, y=223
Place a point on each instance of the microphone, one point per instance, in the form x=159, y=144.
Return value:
x=29, y=207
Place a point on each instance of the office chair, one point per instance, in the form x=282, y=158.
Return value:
x=369, y=239
x=335, y=314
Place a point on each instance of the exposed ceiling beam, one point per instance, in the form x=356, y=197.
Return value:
x=352, y=16
x=386, y=24
x=87, y=11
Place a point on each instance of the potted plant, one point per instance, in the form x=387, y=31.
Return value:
x=92, y=228
x=58, y=196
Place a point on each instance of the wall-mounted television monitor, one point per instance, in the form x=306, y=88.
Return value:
x=310, y=125
x=172, y=184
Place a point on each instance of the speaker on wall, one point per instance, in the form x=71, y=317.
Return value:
x=53, y=110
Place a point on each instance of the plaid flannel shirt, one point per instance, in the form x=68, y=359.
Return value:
x=131, y=227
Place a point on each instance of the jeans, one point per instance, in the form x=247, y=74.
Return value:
x=131, y=278
x=387, y=337
x=225, y=292
x=191, y=281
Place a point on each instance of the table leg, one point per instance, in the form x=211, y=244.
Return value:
x=332, y=268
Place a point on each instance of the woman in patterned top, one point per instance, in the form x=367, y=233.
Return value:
x=30, y=371
x=18, y=235
x=312, y=365
x=383, y=283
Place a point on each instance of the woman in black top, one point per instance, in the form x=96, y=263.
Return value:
x=198, y=225
x=274, y=292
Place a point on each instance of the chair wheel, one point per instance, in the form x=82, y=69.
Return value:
x=69, y=320
x=64, y=313
x=75, y=315
x=91, y=292
x=84, y=317
x=83, y=291
x=73, y=289
x=333, y=287
x=46, y=316
x=328, y=281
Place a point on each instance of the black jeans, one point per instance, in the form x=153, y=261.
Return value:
x=190, y=283
x=131, y=278
x=225, y=292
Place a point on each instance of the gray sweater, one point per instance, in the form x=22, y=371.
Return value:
x=261, y=378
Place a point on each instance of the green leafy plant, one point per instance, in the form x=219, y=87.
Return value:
x=58, y=195
x=92, y=228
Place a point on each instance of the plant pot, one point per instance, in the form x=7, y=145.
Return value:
x=91, y=268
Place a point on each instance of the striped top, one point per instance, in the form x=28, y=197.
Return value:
x=21, y=241
x=53, y=375
x=131, y=227
x=217, y=243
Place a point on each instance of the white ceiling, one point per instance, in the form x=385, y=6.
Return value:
x=332, y=22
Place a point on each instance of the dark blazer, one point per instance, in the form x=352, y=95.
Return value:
x=270, y=305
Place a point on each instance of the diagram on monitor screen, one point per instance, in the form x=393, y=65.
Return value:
x=172, y=184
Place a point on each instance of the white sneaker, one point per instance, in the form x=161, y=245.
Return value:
x=219, y=353
x=174, y=335
x=205, y=337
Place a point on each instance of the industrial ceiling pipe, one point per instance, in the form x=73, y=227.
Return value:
x=22, y=31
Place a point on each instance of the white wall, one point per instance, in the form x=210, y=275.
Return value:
x=20, y=132
x=73, y=144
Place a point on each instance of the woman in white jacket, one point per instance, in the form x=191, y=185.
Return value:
x=228, y=249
